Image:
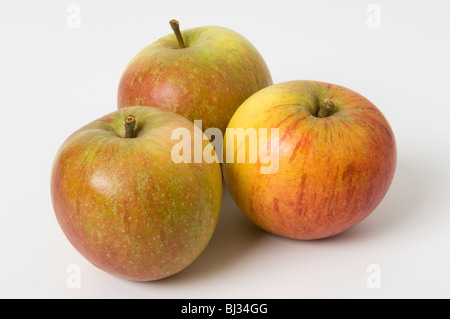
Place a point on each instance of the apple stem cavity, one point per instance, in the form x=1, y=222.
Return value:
x=130, y=125
x=176, y=29
x=325, y=108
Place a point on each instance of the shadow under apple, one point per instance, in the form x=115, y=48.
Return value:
x=234, y=236
x=402, y=204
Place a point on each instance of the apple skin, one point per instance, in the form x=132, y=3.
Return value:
x=125, y=205
x=207, y=80
x=333, y=171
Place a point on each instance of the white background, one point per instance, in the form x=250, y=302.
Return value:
x=55, y=79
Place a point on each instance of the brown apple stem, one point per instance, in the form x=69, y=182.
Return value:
x=325, y=108
x=176, y=29
x=130, y=125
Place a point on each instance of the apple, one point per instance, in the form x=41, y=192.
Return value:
x=202, y=73
x=122, y=201
x=336, y=159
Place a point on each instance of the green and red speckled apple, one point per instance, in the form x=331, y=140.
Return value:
x=337, y=157
x=202, y=73
x=125, y=205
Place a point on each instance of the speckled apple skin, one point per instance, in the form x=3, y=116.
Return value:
x=333, y=171
x=207, y=80
x=125, y=205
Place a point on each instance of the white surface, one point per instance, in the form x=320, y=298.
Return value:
x=54, y=79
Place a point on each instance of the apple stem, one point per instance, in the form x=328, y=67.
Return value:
x=325, y=108
x=176, y=29
x=130, y=124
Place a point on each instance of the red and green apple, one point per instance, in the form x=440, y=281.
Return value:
x=202, y=73
x=122, y=201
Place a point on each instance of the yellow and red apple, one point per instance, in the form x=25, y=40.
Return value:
x=336, y=159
